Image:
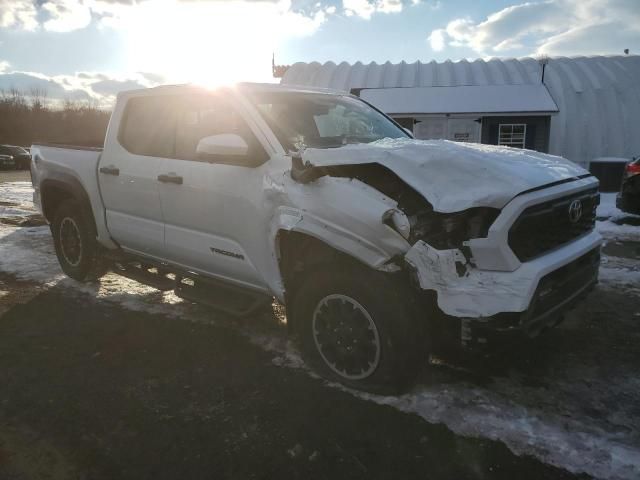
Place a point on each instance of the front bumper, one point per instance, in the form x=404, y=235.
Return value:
x=556, y=293
x=480, y=294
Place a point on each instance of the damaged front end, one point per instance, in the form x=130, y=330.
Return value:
x=415, y=219
x=464, y=257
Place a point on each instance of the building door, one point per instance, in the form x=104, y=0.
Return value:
x=430, y=128
x=463, y=130
x=456, y=129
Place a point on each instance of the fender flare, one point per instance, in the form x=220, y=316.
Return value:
x=68, y=184
x=292, y=220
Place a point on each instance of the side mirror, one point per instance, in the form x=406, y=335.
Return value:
x=226, y=144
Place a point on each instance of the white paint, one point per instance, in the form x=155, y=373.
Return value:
x=454, y=176
x=483, y=293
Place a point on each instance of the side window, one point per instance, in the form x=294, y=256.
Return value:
x=148, y=126
x=203, y=116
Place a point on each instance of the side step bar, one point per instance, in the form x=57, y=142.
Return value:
x=151, y=275
x=222, y=296
x=217, y=294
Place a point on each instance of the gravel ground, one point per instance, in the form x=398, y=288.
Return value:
x=117, y=380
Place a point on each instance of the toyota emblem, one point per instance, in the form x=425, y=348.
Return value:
x=575, y=211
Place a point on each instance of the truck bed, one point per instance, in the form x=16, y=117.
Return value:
x=73, y=165
x=68, y=146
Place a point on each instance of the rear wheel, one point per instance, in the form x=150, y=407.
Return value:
x=360, y=327
x=75, y=243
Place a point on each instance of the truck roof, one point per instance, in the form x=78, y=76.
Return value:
x=253, y=86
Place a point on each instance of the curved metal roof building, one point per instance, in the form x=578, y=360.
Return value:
x=597, y=98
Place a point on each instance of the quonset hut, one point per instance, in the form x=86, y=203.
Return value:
x=581, y=108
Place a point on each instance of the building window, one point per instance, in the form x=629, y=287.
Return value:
x=512, y=134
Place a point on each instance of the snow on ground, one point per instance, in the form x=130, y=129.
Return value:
x=545, y=421
x=16, y=199
x=616, y=227
x=614, y=223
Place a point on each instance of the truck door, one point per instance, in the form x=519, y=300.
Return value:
x=212, y=207
x=128, y=173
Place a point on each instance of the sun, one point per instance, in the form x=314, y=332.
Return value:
x=208, y=43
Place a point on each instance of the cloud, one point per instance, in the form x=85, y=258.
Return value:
x=69, y=15
x=366, y=8
x=111, y=87
x=437, y=39
x=20, y=14
x=27, y=82
x=555, y=27
x=95, y=87
x=66, y=15
x=4, y=66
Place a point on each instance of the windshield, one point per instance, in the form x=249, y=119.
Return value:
x=322, y=120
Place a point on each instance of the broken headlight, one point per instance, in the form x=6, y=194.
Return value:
x=448, y=230
x=398, y=221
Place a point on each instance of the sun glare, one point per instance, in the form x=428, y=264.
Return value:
x=209, y=43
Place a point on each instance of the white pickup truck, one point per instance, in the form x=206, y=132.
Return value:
x=381, y=247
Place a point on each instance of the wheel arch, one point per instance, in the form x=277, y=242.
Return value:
x=54, y=191
x=298, y=251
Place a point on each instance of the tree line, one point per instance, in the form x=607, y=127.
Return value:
x=28, y=117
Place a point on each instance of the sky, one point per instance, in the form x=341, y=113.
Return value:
x=87, y=50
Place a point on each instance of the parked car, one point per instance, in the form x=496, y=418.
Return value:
x=628, y=200
x=380, y=246
x=7, y=162
x=21, y=157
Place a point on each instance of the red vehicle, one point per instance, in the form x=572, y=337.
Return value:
x=628, y=200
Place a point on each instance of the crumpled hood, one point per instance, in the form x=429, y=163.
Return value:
x=455, y=176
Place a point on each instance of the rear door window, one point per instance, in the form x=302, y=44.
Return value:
x=148, y=126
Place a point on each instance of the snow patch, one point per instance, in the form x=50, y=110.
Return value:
x=557, y=440
x=611, y=220
x=16, y=199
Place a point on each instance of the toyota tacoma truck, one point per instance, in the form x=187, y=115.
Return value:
x=381, y=247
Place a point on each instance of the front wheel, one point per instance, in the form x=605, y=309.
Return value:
x=75, y=243
x=360, y=327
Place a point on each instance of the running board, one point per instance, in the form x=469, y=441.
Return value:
x=222, y=296
x=151, y=275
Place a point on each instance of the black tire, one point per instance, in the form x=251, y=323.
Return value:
x=75, y=242
x=380, y=298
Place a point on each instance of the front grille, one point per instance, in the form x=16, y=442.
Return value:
x=548, y=225
x=558, y=286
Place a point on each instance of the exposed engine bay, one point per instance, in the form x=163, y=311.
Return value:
x=441, y=230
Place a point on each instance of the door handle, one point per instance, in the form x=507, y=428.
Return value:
x=110, y=170
x=170, y=178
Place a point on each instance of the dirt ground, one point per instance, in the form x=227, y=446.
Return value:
x=116, y=380
x=98, y=391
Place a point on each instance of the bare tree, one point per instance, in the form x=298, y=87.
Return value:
x=29, y=116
